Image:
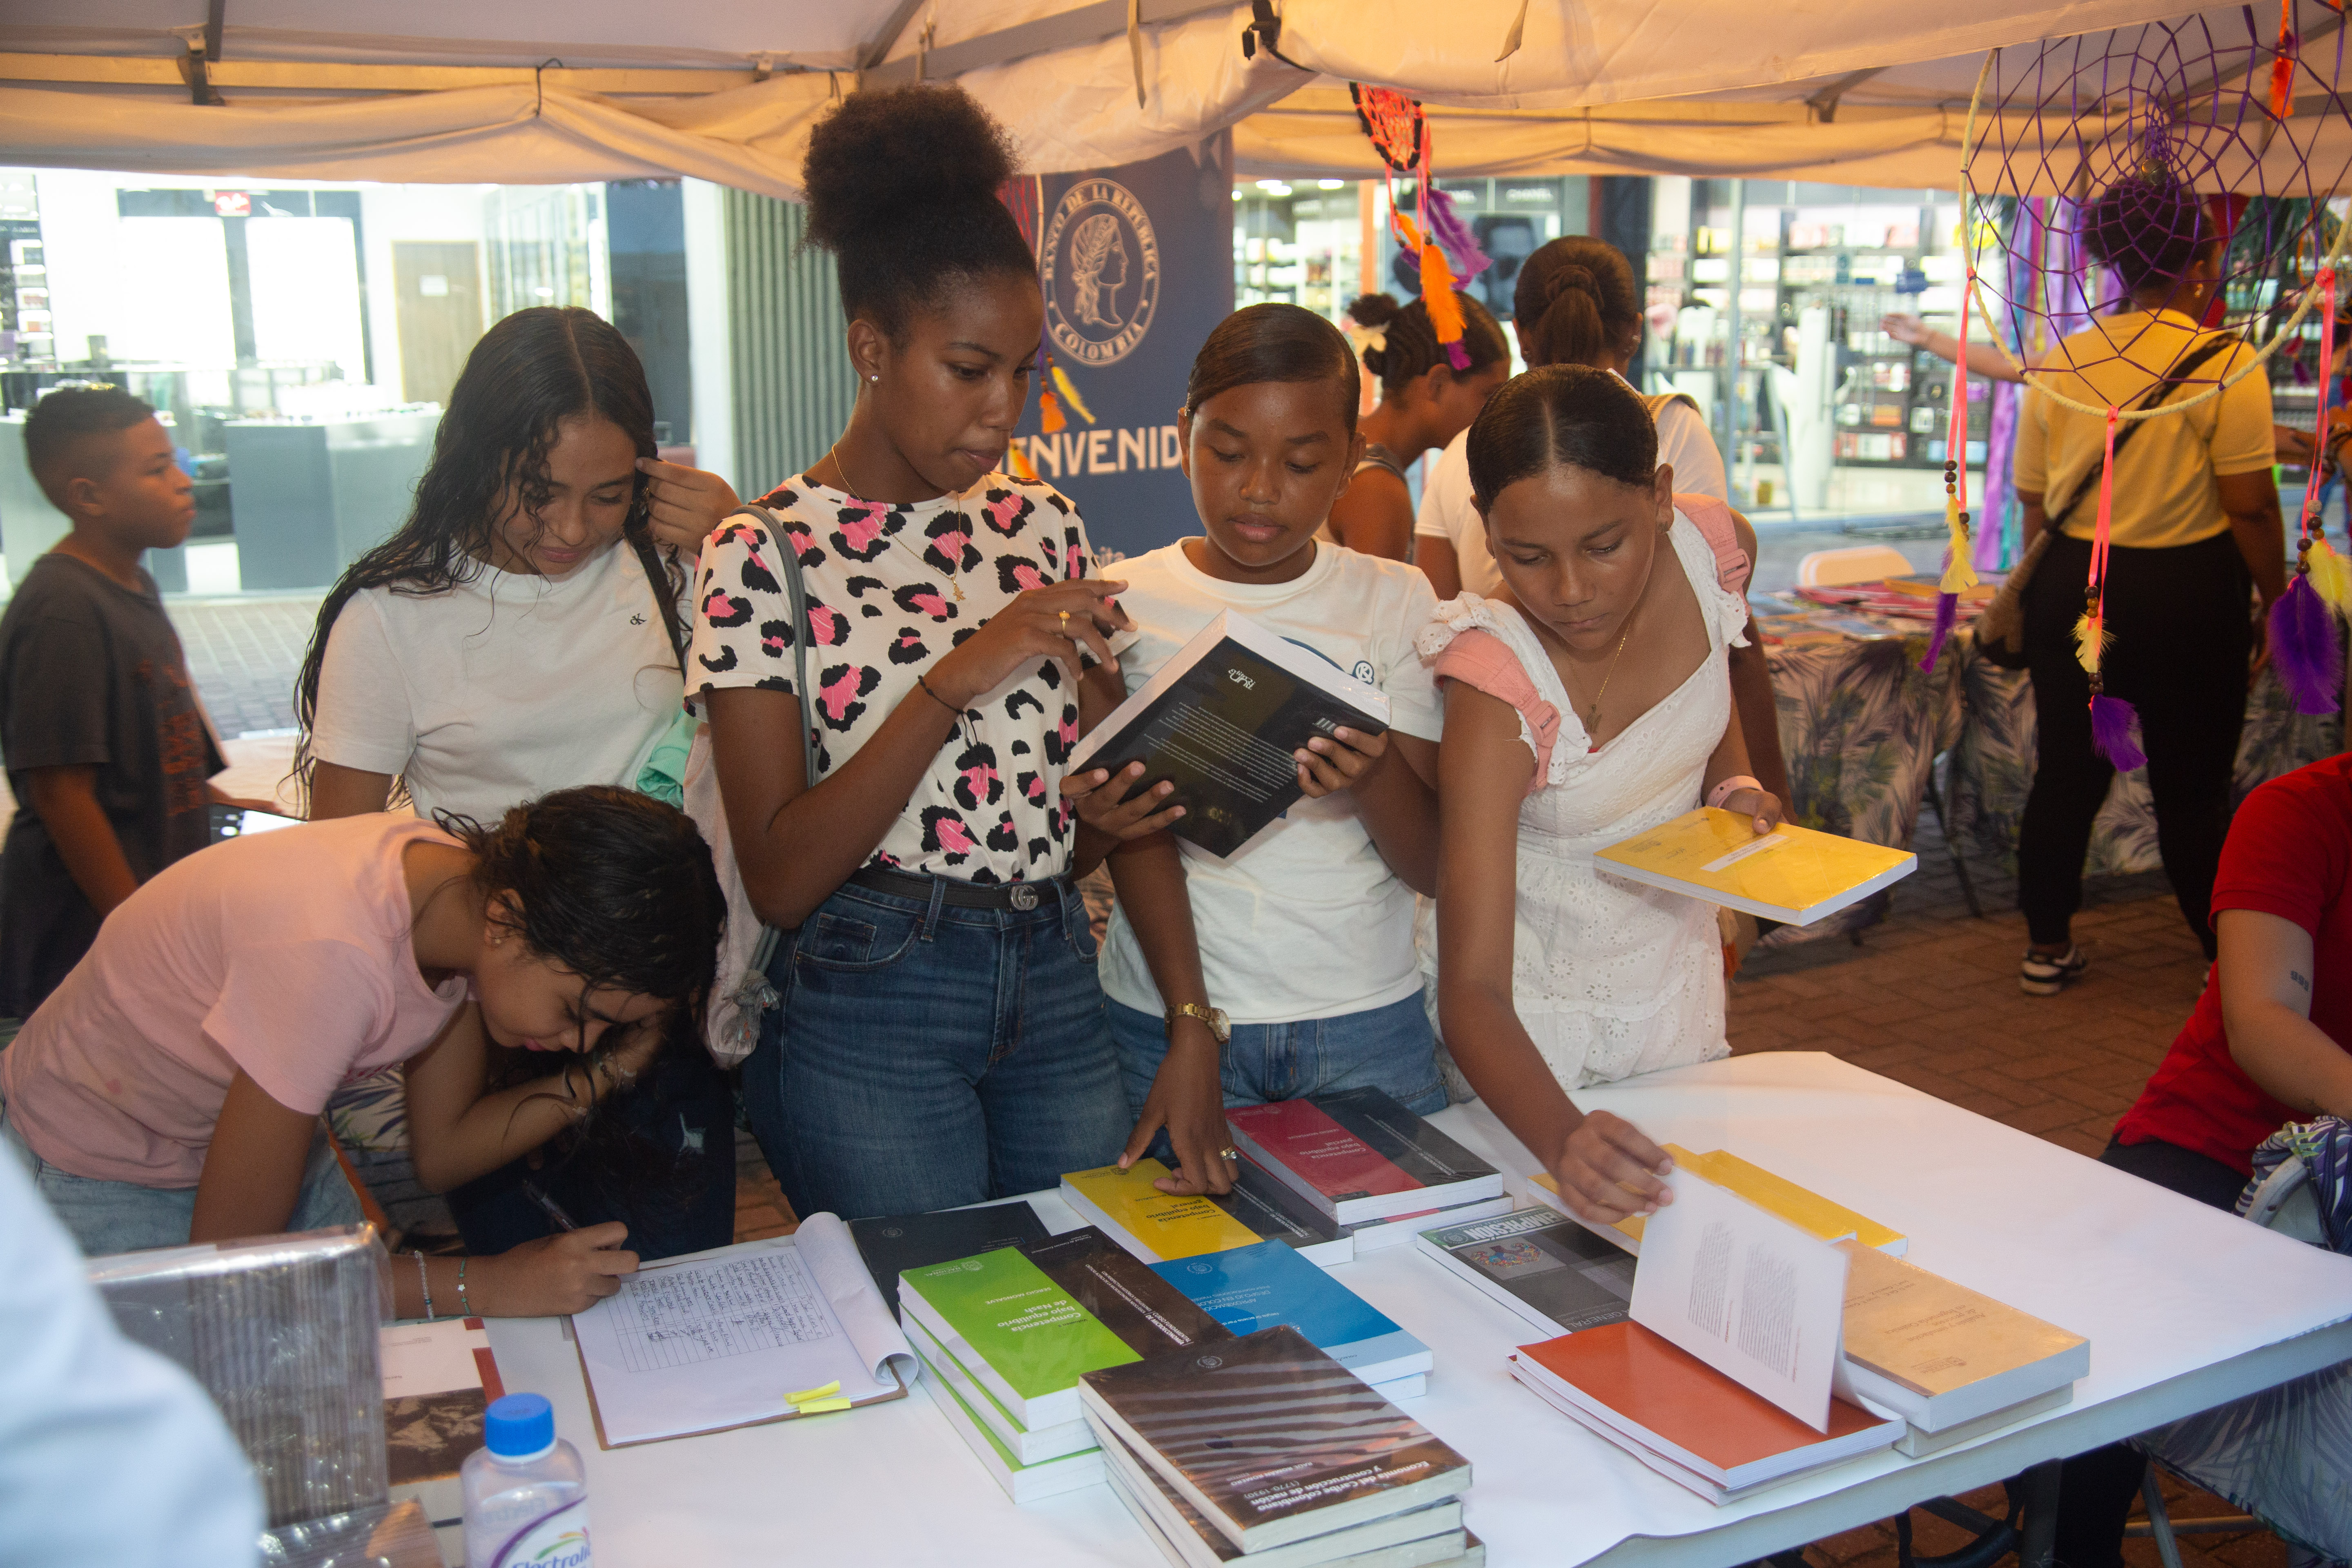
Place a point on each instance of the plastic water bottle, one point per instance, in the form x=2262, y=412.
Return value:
x=526, y=1495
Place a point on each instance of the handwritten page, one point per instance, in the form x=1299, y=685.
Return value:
x=1745, y=1291
x=717, y=1340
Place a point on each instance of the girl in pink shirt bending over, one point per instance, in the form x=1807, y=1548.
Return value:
x=170, y=1089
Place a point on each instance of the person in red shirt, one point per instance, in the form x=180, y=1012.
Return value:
x=2270, y=1043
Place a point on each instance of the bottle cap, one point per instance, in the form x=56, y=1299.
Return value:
x=520, y=1427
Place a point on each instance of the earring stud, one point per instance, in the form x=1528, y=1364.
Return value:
x=876, y=378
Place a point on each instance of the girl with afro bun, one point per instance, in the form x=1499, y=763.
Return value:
x=941, y=1037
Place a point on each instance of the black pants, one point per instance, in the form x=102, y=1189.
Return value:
x=667, y=1169
x=2182, y=635
x=2096, y=1490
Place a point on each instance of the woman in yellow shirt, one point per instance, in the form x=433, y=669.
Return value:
x=2195, y=526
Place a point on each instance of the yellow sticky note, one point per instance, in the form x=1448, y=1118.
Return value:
x=819, y=1406
x=806, y=1395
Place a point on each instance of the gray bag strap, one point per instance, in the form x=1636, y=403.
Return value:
x=796, y=590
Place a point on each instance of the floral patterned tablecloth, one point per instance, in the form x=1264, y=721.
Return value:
x=1861, y=725
x=1992, y=769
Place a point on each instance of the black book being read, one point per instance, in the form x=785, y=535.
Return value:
x=1270, y=1439
x=893, y=1245
x=1222, y=719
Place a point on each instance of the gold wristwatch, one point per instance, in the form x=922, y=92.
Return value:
x=1220, y=1026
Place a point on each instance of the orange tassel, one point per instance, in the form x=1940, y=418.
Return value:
x=1049, y=414
x=2282, y=67
x=1018, y=461
x=1437, y=293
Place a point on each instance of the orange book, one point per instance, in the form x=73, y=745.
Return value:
x=1653, y=1392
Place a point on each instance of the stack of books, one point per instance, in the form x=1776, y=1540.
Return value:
x=1368, y=1165
x=1954, y=1364
x=1683, y=1418
x=1263, y=1449
x=1126, y=1206
x=1007, y=1334
x=1259, y=1287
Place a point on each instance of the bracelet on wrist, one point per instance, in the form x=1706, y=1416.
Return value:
x=935, y=696
x=1731, y=786
x=423, y=1282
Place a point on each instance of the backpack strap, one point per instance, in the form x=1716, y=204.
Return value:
x=1713, y=521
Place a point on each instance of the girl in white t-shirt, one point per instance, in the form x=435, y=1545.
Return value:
x=1287, y=968
x=170, y=1089
x=521, y=633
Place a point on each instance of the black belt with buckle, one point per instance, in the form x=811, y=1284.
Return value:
x=1023, y=896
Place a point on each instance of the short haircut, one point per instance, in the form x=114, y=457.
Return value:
x=2148, y=230
x=56, y=433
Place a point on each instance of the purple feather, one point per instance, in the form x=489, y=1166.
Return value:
x=2115, y=726
x=1456, y=355
x=1948, y=610
x=2304, y=649
x=1454, y=235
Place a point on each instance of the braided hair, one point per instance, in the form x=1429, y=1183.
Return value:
x=1410, y=347
x=901, y=188
x=1576, y=303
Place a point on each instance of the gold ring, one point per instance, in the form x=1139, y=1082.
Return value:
x=1065, y=620
x=1229, y=1153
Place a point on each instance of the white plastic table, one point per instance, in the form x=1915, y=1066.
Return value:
x=2185, y=1307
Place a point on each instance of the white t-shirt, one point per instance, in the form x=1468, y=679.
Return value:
x=503, y=688
x=1306, y=920
x=1446, y=512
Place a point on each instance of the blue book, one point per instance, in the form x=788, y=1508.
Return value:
x=1253, y=1288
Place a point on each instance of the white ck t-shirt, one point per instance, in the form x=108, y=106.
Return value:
x=500, y=689
x=1306, y=920
x=1446, y=512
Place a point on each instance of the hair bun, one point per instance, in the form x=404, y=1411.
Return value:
x=900, y=154
x=1374, y=311
x=1567, y=276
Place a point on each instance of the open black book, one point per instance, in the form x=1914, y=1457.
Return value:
x=1222, y=719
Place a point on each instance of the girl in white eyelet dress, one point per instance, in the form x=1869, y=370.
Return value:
x=1611, y=978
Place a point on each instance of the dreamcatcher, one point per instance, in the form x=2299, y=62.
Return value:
x=1400, y=134
x=2176, y=135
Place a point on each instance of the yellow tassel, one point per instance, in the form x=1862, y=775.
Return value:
x=1437, y=293
x=2331, y=574
x=1049, y=414
x=1018, y=461
x=1960, y=571
x=1070, y=394
x=2091, y=640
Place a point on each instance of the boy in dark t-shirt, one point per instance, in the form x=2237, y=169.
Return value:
x=108, y=751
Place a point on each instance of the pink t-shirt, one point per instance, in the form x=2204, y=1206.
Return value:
x=285, y=953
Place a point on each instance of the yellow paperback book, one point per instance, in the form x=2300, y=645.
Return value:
x=1800, y=1207
x=1791, y=874
x=1169, y=1226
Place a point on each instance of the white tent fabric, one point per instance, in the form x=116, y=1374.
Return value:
x=90, y=83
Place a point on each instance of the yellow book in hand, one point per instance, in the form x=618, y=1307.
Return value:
x=1167, y=1227
x=1791, y=874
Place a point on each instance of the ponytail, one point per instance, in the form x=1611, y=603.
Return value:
x=1576, y=303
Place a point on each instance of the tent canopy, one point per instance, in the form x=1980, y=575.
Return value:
x=728, y=90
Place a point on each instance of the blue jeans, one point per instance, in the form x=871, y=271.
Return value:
x=1390, y=1049
x=108, y=1217
x=924, y=1056
x=669, y=1174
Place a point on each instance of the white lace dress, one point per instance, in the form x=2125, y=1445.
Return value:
x=1610, y=978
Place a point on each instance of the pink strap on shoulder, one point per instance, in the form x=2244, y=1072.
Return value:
x=1712, y=519
x=1483, y=660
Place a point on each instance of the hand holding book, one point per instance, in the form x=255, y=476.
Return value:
x=1117, y=809
x=1607, y=1169
x=1328, y=766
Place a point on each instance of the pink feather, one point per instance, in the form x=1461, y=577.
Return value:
x=1450, y=231
x=2115, y=726
x=1947, y=611
x=2304, y=649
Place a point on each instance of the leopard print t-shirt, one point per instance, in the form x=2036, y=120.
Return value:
x=882, y=583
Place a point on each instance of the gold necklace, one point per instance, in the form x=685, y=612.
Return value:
x=1593, y=714
x=834, y=452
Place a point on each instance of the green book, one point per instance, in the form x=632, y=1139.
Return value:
x=1025, y=1322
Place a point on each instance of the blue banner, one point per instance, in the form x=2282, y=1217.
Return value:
x=1136, y=264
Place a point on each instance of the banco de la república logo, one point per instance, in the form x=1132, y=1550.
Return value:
x=1102, y=273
